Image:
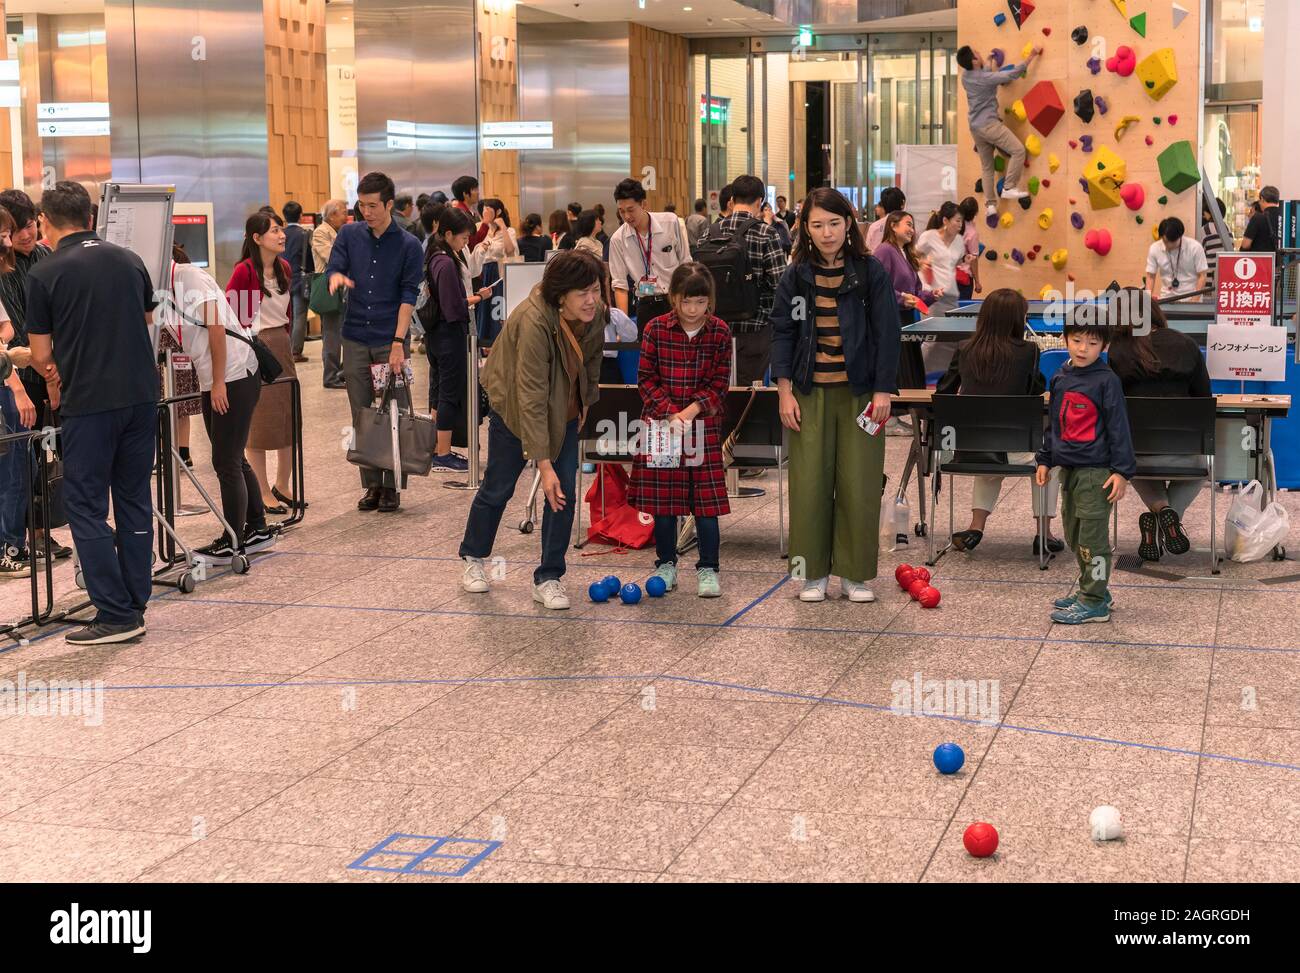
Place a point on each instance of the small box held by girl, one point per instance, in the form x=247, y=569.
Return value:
x=684, y=375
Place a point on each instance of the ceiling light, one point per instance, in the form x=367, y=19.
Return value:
x=688, y=9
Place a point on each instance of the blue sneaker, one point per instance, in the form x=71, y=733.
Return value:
x=451, y=463
x=1069, y=600
x=1081, y=614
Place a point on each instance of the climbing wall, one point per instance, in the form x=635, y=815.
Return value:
x=1112, y=102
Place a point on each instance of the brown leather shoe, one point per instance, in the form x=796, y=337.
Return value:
x=371, y=499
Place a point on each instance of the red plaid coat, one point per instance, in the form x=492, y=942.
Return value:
x=676, y=371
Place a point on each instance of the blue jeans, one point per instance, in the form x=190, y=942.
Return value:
x=505, y=463
x=112, y=451
x=14, y=477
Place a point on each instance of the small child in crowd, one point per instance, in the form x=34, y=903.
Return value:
x=684, y=375
x=1089, y=440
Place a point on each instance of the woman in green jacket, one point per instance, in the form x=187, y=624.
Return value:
x=542, y=375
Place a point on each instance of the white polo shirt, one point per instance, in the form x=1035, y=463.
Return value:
x=1182, y=265
x=668, y=250
x=192, y=288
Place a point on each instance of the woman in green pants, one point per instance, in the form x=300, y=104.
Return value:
x=835, y=345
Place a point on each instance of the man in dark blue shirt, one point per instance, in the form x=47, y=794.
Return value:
x=88, y=312
x=380, y=264
x=297, y=251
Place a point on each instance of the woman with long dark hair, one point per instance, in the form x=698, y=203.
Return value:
x=1164, y=363
x=587, y=228
x=446, y=323
x=998, y=360
x=258, y=291
x=501, y=243
x=193, y=311
x=898, y=256
x=835, y=346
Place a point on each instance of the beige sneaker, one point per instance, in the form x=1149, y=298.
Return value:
x=475, y=580
x=814, y=590
x=856, y=591
x=550, y=594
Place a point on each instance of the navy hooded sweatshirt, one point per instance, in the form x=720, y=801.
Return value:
x=1089, y=421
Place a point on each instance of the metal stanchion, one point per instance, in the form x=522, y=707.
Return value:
x=471, y=417
x=734, y=490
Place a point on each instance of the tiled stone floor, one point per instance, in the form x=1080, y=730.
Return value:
x=276, y=726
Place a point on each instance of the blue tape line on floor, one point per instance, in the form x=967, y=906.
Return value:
x=717, y=684
x=627, y=620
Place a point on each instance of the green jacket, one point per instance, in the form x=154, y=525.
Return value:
x=525, y=379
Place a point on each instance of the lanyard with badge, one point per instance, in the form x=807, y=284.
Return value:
x=179, y=362
x=1173, y=266
x=647, y=286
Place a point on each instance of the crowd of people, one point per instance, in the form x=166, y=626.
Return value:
x=812, y=299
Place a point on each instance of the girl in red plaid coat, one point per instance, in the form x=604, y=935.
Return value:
x=684, y=375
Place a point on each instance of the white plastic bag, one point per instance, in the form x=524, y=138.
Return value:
x=895, y=519
x=1251, y=530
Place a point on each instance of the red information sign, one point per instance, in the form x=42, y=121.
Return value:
x=1245, y=290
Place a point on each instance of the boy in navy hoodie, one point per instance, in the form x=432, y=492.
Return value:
x=1089, y=440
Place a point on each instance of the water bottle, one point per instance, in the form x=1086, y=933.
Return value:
x=902, y=514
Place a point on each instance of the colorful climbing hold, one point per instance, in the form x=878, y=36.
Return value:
x=1034, y=183
x=1084, y=106
x=1173, y=119
x=992, y=221
x=1122, y=128
x=1079, y=35
x=1098, y=241
x=1150, y=140
x=1020, y=10
x=1017, y=110
x=1025, y=202
x=1139, y=219
x=1059, y=257
x=1053, y=162
x=999, y=19
x=1133, y=195
x=998, y=56
x=1158, y=73
x=1076, y=220
x=1123, y=62
x=1006, y=220
x=1139, y=24
x=1094, y=65
x=1047, y=183
x=1045, y=219
x=1034, y=146
x=1163, y=200
x=1017, y=256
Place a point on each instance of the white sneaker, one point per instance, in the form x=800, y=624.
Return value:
x=1014, y=194
x=475, y=580
x=814, y=590
x=550, y=594
x=856, y=591
x=991, y=209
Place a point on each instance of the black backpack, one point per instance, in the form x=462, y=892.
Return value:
x=726, y=254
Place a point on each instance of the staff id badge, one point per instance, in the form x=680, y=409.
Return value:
x=647, y=286
x=182, y=363
x=868, y=424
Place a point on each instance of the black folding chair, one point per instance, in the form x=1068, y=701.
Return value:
x=603, y=438
x=984, y=424
x=1175, y=427
x=760, y=443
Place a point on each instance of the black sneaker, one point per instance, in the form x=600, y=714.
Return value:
x=1149, y=546
x=14, y=563
x=185, y=456
x=102, y=633
x=1172, y=535
x=451, y=463
x=58, y=550
x=258, y=539
x=370, y=501
x=220, y=551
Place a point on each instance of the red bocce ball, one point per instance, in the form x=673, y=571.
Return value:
x=980, y=839
x=929, y=597
x=898, y=572
x=915, y=588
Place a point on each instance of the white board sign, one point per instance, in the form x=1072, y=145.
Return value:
x=1255, y=354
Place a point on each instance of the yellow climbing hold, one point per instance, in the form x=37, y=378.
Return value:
x=1059, y=257
x=1026, y=51
x=1006, y=219
x=1106, y=172
x=1045, y=219
x=1046, y=292
x=1034, y=146
x=1018, y=110
x=1122, y=7
x=1053, y=162
x=1122, y=127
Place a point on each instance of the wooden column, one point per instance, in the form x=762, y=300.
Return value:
x=297, y=126
x=498, y=86
x=659, y=95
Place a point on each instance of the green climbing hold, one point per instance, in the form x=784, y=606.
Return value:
x=1033, y=185
x=999, y=164
x=1157, y=119
x=1163, y=200
x=1140, y=220
x=1139, y=24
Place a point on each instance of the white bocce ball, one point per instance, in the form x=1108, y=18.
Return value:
x=1105, y=823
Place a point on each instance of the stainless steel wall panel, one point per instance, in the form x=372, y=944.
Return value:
x=415, y=66
x=576, y=76
x=187, y=85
